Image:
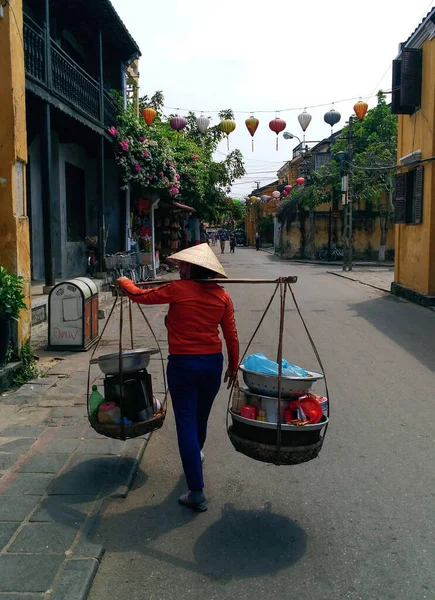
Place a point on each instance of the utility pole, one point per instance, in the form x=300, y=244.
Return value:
x=347, y=196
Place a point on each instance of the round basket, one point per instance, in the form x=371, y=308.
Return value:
x=289, y=455
x=132, y=430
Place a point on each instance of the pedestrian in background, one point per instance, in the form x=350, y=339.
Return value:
x=223, y=239
x=257, y=241
x=232, y=242
x=213, y=238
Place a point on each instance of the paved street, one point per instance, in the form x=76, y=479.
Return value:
x=357, y=523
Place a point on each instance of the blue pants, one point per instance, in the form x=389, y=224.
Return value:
x=194, y=381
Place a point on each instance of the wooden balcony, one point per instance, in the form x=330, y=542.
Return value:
x=56, y=73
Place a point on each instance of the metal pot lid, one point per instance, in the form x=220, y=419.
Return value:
x=126, y=353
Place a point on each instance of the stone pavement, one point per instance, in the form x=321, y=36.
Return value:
x=380, y=278
x=55, y=473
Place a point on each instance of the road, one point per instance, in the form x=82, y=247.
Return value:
x=357, y=523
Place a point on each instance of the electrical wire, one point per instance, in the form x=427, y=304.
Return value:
x=249, y=112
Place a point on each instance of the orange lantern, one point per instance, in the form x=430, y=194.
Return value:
x=360, y=109
x=149, y=114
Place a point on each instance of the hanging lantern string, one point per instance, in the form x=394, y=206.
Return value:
x=246, y=112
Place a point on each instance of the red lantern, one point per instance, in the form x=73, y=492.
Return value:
x=300, y=181
x=288, y=188
x=285, y=193
x=277, y=125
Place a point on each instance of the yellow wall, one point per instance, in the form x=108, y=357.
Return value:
x=14, y=226
x=415, y=244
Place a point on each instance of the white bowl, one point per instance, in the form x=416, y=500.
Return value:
x=267, y=385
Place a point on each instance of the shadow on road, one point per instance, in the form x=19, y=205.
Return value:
x=411, y=327
x=239, y=545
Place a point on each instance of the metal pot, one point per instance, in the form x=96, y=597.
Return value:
x=132, y=361
x=267, y=385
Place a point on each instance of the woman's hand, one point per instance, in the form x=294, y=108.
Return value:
x=119, y=281
x=231, y=377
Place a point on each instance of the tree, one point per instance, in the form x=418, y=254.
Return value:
x=372, y=163
x=175, y=164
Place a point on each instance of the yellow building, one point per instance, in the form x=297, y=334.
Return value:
x=258, y=210
x=14, y=224
x=414, y=102
x=295, y=234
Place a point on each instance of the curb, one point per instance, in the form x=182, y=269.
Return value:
x=376, y=287
x=75, y=577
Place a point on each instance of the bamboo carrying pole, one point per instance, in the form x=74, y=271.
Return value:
x=221, y=281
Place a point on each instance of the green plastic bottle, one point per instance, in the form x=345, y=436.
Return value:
x=95, y=400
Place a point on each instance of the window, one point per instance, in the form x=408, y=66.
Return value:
x=409, y=197
x=75, y=203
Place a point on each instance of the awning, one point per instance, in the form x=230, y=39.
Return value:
x=183, y=206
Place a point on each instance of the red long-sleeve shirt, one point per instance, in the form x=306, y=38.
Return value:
x=195, y=312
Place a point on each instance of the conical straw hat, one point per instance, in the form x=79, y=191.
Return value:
x=201, y=255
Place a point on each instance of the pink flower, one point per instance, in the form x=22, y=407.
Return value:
x=124, y=145
x=142, y=139
x=150, y=177
x=174, y=190
x=138, y=167
x=113, y=131
x=161, y=173
x=177, y=176
x=145, y=154
x=195, y=156
x=171, y=165
x=193, y=179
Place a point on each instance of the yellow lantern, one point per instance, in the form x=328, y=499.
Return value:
x=227, y=126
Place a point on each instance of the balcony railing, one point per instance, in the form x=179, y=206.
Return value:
x=65, y=77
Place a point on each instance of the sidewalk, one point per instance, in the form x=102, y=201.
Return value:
x=380, y=279
x=55, y=472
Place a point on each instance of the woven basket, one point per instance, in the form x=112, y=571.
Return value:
x=293, y=455
x=132, y=430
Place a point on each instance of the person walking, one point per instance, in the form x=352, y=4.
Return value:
x=232, y=242
x=223, y=238
x=213, y=238
x=257, y=241
x=195, y=364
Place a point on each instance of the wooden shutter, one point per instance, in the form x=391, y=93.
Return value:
x=400, y=198
x=395, y=93
x=410, y=84
x=418, y=195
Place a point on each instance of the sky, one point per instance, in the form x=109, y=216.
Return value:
x=265, y=59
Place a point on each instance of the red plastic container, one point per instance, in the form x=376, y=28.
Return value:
x=249, y=412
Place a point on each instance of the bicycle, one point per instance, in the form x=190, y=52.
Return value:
x=337, y=252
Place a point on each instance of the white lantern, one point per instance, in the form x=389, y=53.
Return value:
x=304, y=120
x=202, y=123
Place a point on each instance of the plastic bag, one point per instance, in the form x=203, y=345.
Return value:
x=259, y=363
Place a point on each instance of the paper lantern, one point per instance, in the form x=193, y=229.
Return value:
x=178, y=123
x=265, y=198
x=288, y=188
x=285, y=193
x=149, y=114
x=276, y=194
x=360, y=109
x=252, y=125
x=202, y=123
x=227, y=126
x=332, y=117
x=300, y=181
x=277, y=125
x=304, y=120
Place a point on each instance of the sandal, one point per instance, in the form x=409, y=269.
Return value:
x=196, y=506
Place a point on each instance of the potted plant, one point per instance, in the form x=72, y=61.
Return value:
x=11, y=302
